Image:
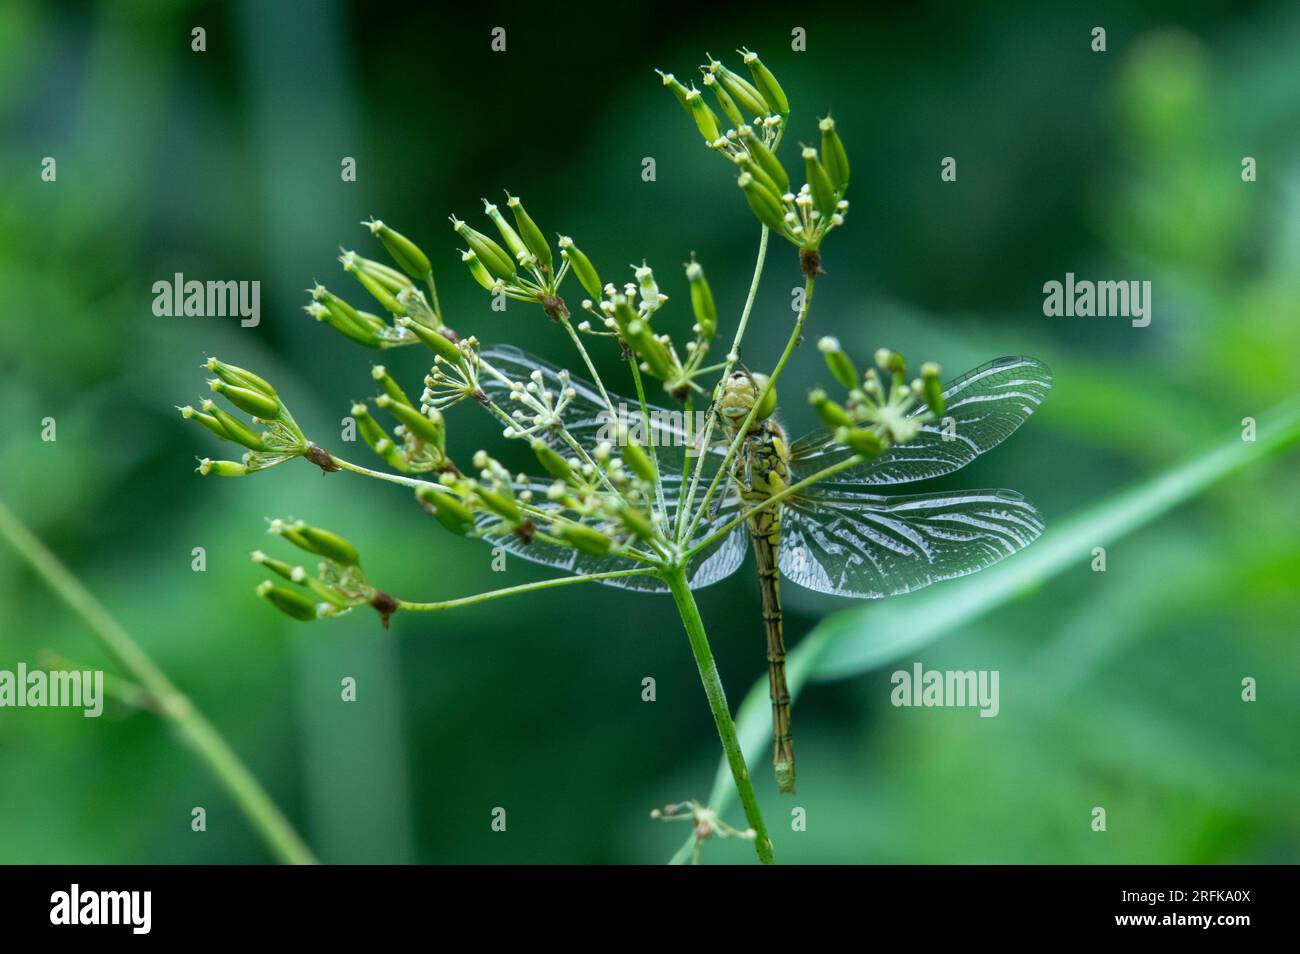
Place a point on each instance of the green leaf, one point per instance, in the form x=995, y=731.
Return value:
x=864, y=638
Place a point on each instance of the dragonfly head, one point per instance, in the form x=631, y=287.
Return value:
x=738, y=396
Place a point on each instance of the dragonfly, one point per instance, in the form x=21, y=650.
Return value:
x=841, y=536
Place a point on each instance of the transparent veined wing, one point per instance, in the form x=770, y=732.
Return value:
x=864, y=545
x=986, y=405
x=714, y=563
x=586, y=416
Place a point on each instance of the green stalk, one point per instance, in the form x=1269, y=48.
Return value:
x=521, y=588
x=690, y=613
x=168, y=701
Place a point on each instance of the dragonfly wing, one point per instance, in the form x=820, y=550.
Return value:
x=986, y=406
x=716, y=562
x=863, y=545
x=586, y=417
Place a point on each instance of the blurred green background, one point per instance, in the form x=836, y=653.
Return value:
x=1118, y=689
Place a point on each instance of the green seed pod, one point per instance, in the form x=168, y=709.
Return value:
x=766, y=159
x=221, y=468
x=840, y=364
x=636, y=460
x=891, y=362
x=819, y=182
x=932, y=388
x=766, y=206
x=679, y=91
x=285, y=570
x=390, y=386
x=745, y=163
x=706, y=120
x=236, y=430
x=725, y=102
x=426, y=428
x=436, y=341
x=834, y=157
x=766, y=84
x=478, y=270
x=582, y=537
x=582, y=267
x=706, y=311
x=250, y=402
x=240, y=377
x=768, y=405
x=325, y=543
x=636, y=521
x=348, y=329
x=624, y=313
x=747, y=97
x=861, y=441
x=405, y=252
x=287, y=601
x=531, y=234
x=831, y=414
x=649, y=348
x=377, y=280
x=447, y=508
x=514, y=243
x=500, y=504
x=553, y=463
x=495, y=259
x=372, y=432
x=207, y=420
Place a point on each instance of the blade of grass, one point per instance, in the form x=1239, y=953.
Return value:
x=861, y=639
x=169, y=702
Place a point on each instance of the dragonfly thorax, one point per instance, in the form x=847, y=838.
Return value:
x=738, y=397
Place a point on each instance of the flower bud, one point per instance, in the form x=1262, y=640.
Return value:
x=478, y=270
x=532, y=235
x=287, y=601
x=765, y=205
x=932, y=388
x=404, y=252
x=447, y=508
x=819, y=182
x=289, y=572
x=582, y=537
x=840, y=364
x=834, y=157
x=678, y=90
x=765, y=158
x=892, y=362
x=649, y=348
x=250, y=402
x=324, y=543
x=831, y=414
x=240, y=377
x=494, y=258
x=706, y=311
x=347, y=328
x=221, y=468
x=766, y=84
x=582, y=267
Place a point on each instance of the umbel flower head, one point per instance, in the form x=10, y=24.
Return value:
x=759, y=113
x=253, y=395
x=338, y=586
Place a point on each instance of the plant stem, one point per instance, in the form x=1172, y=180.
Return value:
x=521, y=588
x=732, y=357
x=169, y=702
x=690, y=613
